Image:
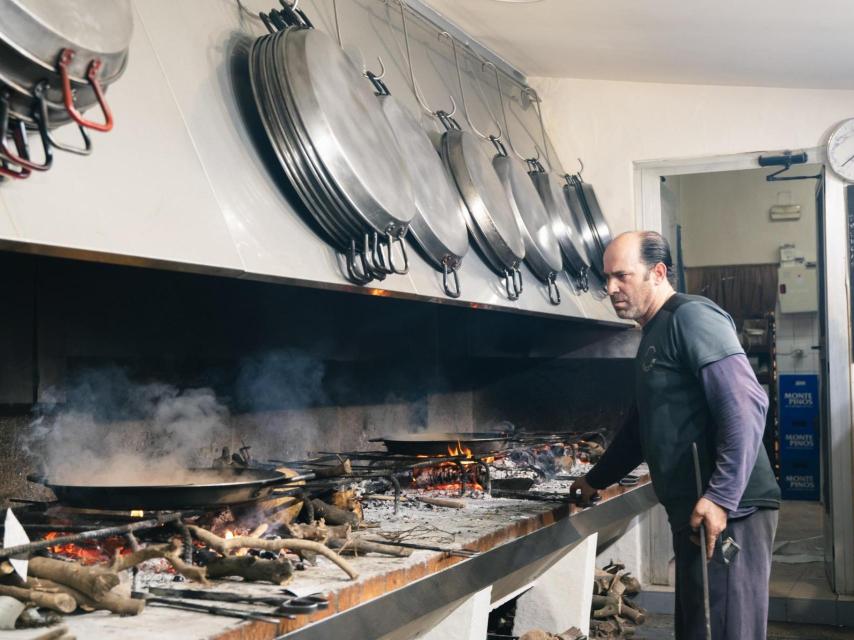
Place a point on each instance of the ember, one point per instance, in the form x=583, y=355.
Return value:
x=89, y=552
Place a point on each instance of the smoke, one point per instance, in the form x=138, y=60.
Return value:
x=111, y=430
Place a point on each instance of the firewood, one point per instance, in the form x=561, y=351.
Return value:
x=348, y=501
x=442, y=502
x=318, y=531
x=333, y=514
x=633, y=586
x=55, y=634
x=55, y=601
x=110, y=601
x=92, y=581
x=170, y=552
x=606, y=612
x=573, y=633
x=536, y=634
x=356, y=546
x=224, y=546
x=600, y=601
x=632, y=614
x=252, y=569
x=6, y=568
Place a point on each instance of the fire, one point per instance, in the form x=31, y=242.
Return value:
x=94, y=551
x=228, y=534
x=137, y=513
x=460, y=450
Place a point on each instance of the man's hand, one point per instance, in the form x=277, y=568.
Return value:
x=583, y=489
x=713, y=517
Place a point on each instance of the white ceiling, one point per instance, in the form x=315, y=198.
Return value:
x=776, y=43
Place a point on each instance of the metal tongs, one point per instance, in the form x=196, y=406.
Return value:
x=285, y=606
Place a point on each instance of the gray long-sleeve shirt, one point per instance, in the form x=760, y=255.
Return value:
x=738, y=405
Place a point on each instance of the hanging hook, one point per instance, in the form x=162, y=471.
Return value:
x=580, y=167
x=535, y=98
x=365, y=71
x=487, y=63
x=463, y=93
x=415, y=88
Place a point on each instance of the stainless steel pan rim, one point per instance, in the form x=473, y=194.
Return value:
x=582, y=224
x=94, y=29
x=484, y=197
x=601, y=230
x=480, y=224
x=303, y=186
x=354, y=144
x=542, y=251
x=439, y=224
x=555, y=204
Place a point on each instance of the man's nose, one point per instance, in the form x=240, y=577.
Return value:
x=611, y=285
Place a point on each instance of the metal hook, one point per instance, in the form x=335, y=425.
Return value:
x=415, y=88
x=463, y=93
x=535, y=98
x=365, y=71
x=581, y=167
x=487, y=63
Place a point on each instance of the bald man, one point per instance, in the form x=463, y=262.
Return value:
x=693, y=383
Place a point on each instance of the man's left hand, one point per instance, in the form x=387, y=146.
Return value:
x=713, y=517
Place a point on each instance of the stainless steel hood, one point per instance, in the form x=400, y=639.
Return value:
x=185, y=180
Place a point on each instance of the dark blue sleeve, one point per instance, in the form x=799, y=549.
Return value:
x=738, y=405
x=622, y=455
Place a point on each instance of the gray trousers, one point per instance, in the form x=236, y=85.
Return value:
x=738, y=591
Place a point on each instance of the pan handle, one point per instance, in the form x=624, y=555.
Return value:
x=554, y=292
x=583, y=280
x=510, y=285
x=65, y=59
x=19, y=132
x=357, y=274
x=517, y=281
x=398, y=270
x=449, y=269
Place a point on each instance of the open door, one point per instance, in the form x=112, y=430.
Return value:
x=835, y=220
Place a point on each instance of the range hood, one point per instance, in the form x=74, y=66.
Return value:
x=187, y=181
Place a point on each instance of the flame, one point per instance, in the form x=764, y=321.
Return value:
x=460, y=450
x=95, y=551
x=228, y=534
x=137, y=513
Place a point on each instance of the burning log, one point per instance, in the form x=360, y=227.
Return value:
x=253, y=569
x=110, y=601
x=95, y=582
x=225, y=546
x=170, y=552
x=56, y=601
x=348, y=501
x=333, y=514
x=442, y=502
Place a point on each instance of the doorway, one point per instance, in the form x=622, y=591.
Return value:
x=729, y=227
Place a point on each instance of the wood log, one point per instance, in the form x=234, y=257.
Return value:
x=607, y=611
x=600, y=601
x=442, y=502
x=632, y=614
x=253, y=569
x=225, y=546
x=95, y=582
x=319, y=531
x=54, y=634
x=170, y=552
x=333, y=514
x=110, y=601
x=56, y=601
x=356, y=546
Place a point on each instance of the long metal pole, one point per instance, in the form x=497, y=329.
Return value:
x=89, y=535
x=704, y=556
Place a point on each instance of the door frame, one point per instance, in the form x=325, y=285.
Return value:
x=837, y=326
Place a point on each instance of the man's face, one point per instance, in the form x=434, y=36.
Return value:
x=630, y=283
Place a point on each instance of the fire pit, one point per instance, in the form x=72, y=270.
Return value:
x=348, y=531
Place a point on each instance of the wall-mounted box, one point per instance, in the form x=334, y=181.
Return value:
x=797, y=288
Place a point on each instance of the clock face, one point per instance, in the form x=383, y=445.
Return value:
x=840, y=150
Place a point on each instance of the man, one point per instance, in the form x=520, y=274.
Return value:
x=693, y=383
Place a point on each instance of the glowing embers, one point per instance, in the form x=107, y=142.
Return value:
x=89, y=551
x=455, y=477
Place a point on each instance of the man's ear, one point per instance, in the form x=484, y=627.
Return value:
x=660, y=272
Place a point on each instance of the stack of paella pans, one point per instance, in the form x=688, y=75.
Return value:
x=334, y=143
x=56, y=61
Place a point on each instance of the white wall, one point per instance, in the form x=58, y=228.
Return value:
x=725, y=217
x=611, y=125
